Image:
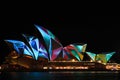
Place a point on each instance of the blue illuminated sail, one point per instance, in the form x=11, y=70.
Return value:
x=20, y=47
x=91, y=55
x=36, y=47
x=51, y=42
x=109, y=55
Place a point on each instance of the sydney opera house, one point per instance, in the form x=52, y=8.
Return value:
x=43, y=51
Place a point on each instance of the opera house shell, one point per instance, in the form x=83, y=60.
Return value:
x=37, y=51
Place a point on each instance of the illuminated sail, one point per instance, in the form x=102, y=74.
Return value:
x=91, y=55
x=54, y=47
x=105, y=56
x=75, y=50
x=20, y=47
x=37, y=47
x=109, y=55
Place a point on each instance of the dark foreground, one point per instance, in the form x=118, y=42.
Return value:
x=61, y=75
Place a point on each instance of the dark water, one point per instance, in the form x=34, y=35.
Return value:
x=70, y=75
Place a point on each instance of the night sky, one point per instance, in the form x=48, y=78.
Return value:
x=101, y=33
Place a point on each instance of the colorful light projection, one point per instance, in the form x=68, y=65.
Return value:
x=104, y=57
x=91, y=55
x=54, y=47
x=74, y=51
x=20, y=47
x=34, y=47
x=50, y=48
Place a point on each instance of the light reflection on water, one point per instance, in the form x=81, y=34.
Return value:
x=66, y=75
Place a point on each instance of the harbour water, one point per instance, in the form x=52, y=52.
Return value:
x=63, y=75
